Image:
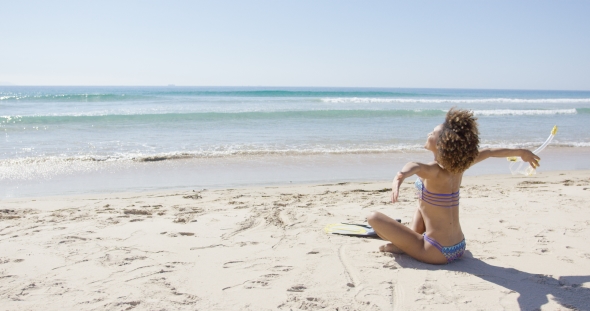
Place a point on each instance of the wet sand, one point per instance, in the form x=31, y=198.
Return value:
x=92, y=177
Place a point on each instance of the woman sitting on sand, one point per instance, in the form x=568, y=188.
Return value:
x=436, y=235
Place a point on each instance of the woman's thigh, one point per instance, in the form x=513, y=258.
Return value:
x=405, y=239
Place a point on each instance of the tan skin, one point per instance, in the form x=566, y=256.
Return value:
x=441, y=224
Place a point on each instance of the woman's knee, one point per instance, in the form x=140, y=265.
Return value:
x=374, y=217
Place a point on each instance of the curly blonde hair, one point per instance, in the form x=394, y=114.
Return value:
x=458, y=141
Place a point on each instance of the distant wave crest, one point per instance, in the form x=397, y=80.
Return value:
x=140, y=116
x=531, y=112
x=147, y=93
x=216, y=116
x=70, y=97
x=367, y=100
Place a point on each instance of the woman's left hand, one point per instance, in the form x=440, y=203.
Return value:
x=397, y=182
x=531, y=158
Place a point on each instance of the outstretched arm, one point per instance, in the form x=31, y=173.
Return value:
x=412, y=168
x=525, y=154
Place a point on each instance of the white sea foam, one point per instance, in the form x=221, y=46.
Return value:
x=492, y=112
x=44, y=168
x=48, y=167
x=364, y=100
x=575, y=144
x=237, y=152
x=514, y=112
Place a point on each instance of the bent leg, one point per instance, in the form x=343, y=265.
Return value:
x=418, y=222
x=405, y=239
x=417, y=225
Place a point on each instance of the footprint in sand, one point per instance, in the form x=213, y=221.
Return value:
x=232, y=264
x=255, y=284
x=257, y=264
x=300, y=303
x=262, y=282
x=297, y=288
x=566, y=259
x=282, y=268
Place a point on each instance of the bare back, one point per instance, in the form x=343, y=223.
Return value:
x=441, y=222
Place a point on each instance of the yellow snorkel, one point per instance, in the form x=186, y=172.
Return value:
x=517, y=166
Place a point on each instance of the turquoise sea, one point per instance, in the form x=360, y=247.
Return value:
x=64, y=140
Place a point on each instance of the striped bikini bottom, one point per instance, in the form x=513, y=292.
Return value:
x=452, y=253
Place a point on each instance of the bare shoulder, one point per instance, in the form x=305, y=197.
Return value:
x=429, y=170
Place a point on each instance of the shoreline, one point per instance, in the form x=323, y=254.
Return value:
x=221, y=249
x=250, y=171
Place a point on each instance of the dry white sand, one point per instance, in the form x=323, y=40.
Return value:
x=265, y=249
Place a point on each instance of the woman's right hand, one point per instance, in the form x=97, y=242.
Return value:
x=397, y=182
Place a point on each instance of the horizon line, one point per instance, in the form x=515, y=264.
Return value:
x=284, y=86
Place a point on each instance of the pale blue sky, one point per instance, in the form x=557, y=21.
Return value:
x=436, y=44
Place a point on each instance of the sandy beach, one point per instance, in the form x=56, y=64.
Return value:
x=194, y=155
x=264, y=248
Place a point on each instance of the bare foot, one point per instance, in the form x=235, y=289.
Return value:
x=390, y=248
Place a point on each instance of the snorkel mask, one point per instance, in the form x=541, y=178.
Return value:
x=517, y=166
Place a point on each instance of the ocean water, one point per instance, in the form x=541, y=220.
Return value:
x=58, y=139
